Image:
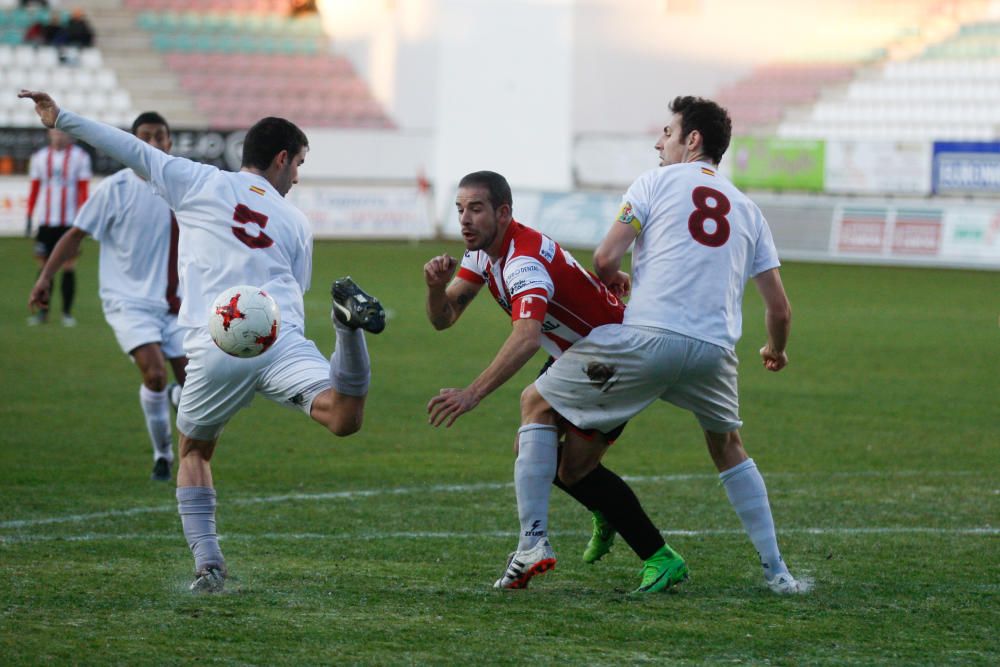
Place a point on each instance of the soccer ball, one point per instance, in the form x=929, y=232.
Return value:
x=244, y=321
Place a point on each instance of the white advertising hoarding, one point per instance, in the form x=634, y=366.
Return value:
x=878, y=167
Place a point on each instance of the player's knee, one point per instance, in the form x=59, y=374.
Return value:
x=570, y=472
x=189, y=448
x=155, y=379
x=534, y=408
x=343, y=426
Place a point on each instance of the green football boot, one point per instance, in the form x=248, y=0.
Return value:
x=600, y=540
x=662, y=570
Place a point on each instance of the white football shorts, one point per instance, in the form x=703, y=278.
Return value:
x=292, y=373
x=610, y=376
x=136, y=325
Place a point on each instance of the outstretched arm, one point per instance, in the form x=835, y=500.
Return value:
x=520, y=346
x=446, y=300
x=777, y=318
x=150, y=163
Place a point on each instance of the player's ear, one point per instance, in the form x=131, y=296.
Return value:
x=694, y=140
x=504, y=212
x=280, y=159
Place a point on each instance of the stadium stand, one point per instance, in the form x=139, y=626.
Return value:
x=241, y=59
x=202, y=63
x=939, y=81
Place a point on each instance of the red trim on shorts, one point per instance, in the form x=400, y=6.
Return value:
x=589, y=433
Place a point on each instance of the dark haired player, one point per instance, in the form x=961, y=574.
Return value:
x=238, y=229
x=138, y=282
x=552, y=302
x=698, y=240
x=60, y=177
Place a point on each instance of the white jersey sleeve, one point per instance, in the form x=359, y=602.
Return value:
x=523, y=274
x=173, y=176
x=98, y=212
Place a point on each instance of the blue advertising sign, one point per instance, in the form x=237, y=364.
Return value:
x=966, y=167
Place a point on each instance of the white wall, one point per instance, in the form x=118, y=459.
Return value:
x=504, y=92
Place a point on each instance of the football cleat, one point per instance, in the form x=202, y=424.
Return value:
x=161, y=471
x=209, y=579
x=36, y=319
x=523, y=565
x=68, y=321
x=353, y=308
x=662, y=570
x=786, y=584
x=601, y=539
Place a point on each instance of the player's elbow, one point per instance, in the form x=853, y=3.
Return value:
x=441, y=324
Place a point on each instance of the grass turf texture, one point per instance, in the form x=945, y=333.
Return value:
x=879, y=444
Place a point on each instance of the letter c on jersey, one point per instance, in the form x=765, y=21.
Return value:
x=245, y=215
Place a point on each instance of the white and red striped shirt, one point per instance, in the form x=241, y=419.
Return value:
x=536, y=279
x=59, y=181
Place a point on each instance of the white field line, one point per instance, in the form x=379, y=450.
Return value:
x=496, y=534
x=437, y=488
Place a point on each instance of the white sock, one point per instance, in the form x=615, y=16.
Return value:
x=196, y=505
x=350, y=369
x=534, y=470
x=748, y=496
x=156, y=408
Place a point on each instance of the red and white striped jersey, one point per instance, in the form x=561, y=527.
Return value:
x=59, y=181
x=536, y=279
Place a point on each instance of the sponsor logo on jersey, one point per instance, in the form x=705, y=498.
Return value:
x=548, y=249
x=524, y=269
x=260, y=191
x=517, y=286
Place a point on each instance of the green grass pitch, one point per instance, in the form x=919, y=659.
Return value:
x=880, y=444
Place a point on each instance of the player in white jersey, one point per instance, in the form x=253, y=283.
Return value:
x=552, y=302
x=698, y=240
x=138, y=282
x=60, y=176
x=238, y=229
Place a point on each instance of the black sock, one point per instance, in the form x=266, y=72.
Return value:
x=606, y=492
x=68, y=287
x=571, y=493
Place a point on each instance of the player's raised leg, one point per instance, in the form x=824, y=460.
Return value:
x=748, y=495
x=341, y=409
x=196, y=504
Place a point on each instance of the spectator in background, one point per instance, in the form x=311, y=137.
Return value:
x=54, y=32
x=78, y=31
x=35, y=34
x=301, y=7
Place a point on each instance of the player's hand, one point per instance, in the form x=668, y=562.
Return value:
x=45, y=106
x=40, y=295
x=449, y=405
x=773, y=361
x=621, y=285
x=439, y=271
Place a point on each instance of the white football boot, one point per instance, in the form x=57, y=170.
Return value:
x=523, y=565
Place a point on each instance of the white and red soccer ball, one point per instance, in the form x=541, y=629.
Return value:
x=244, y=321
